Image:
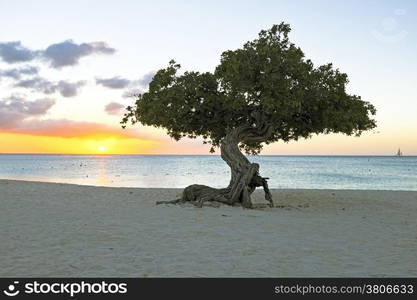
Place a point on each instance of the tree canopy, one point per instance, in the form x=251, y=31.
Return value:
x=267, y=85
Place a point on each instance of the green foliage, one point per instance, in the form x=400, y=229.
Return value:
x=268, y=81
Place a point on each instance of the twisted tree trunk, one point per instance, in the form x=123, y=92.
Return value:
x=244, y=175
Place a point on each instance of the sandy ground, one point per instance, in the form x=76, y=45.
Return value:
x=51, y=229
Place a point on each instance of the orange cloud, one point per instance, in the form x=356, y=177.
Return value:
x=22, y=143
x=18, y=115
x=72, y=129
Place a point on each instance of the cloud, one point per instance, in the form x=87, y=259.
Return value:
x=70, y=89
x=16, y=108
x=21, y=116
x=17, y=73
x=39, y=84
x=113, y=82
x=69, y=53
x=146, y=79
x=114, y=108
x=14, y=52
x=139, y=86
x=132, y=93
x=71, y=129
x=134, y=86
x=58, y=55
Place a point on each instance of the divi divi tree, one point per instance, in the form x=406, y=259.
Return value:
x=264, y=92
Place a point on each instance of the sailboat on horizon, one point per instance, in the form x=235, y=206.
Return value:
x=399, y=153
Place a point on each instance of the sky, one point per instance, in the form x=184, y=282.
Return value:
x=67, y=68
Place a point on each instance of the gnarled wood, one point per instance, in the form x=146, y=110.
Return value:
x=244, y=178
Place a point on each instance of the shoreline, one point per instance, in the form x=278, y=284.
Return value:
x=65, y=230
x=215, y=154
x=2, y=180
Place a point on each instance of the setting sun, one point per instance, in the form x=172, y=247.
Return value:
x=101, y=148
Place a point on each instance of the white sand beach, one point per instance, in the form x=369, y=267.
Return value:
x=51, y=229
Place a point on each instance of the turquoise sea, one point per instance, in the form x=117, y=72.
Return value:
x=177, y=171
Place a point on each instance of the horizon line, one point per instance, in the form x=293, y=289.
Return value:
x=177, y=154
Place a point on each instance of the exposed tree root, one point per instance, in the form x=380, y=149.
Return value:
x=244, y=180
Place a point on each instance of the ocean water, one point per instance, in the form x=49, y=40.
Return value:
x=178, y=171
